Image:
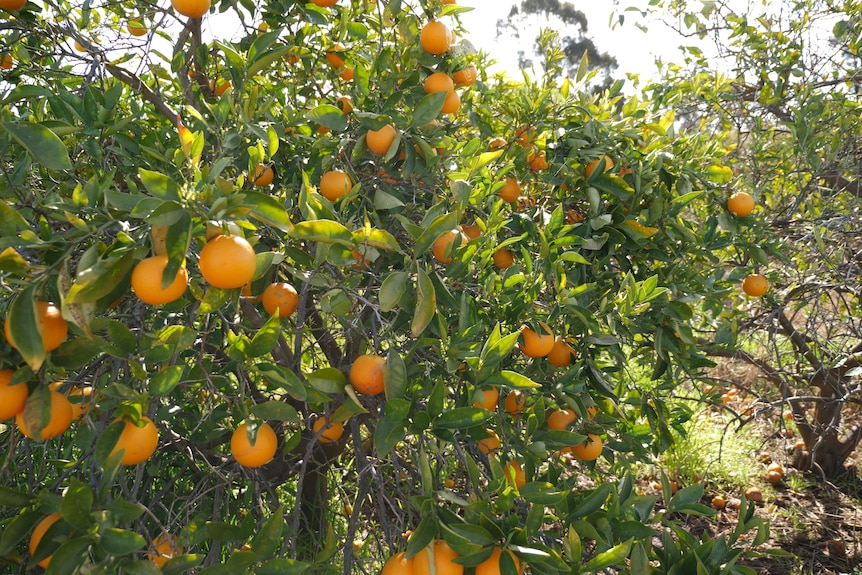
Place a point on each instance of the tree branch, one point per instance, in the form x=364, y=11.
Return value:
x=139, y=86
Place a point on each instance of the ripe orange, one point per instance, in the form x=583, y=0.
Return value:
x=334, y=184
x=536, y=345
x=514, y=475
x=525, y=135
x=510, y=190
x=136, y=28
x=443, y=557
x=537, y=160
x=191, y=8
x=263, y=175
x=12, y=5
x=345, y=104
x=12, y=397
x=324, y=3
x=497, y=144
x=147, y=281
x=439, y=82
x=435, y=37
x=491, y=565
x=561, y=419
x=379, y=141
x=561, y=354
x=471, y=231
x=366, y=374
x=138, y=443
x=515, y=402
x=254, y=454
x=6, y=62
x=740, y=204
x=334, y=58
x=39, y=532
x=590, y=449
x=84, y=401
x=398, y=564
x=503, y=258
x=58, y=422
x=227, y=261
x=490, y=444
x=465, y=76
x=592, y=165
x=219, y=87
x=51, y=323
x=280, y=297
x=755, y=285
x=361, y=261
x=452, y=103
x=347, y=75
x=163, y=548
x=331, y=433
x=444, y=246
x=487, y=398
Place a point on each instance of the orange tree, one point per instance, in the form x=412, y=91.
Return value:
x=277, y=449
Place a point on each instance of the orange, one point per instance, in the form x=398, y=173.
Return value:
x=503, y=258
x=497, y=144
x=755, y=285
x=345, y=104
x=514, y=474
x=740, y=204
x=443, y=557
x=135, y=28
x=51, y=323
x=11, y=5
x=12, y=397
x=465, y=76
x=379, y=141
x=84, y=401
x=191, y=8
x=324, y=3
x=219, y=87
x=280, y=297
x=39, y=532
x=444, y=246
x=591, y=166
x=227, y=261
x=147, y=281
x=6, y=62
x=331, y=433
x=536, y=345
x=515, y=402
x=58, y=422
x=561, y=354
x=472, y=231
x=452, y=103
x=487, y=398
x=525, y=135
x=561, y=419
x=263, y=175
x=590, y=449
x=138, y=443
x=398, y=564
x=332, y=56
x=510, y=190
x=163, y=548
x=366, y=374
x=439, y=82
x=347, y=75
x=254, y=454
x=361, y=261
x=490, y=444
x=435, y=38
x=537, y=161
x=491, y=565
x=334, y=184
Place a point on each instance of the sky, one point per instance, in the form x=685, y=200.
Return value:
x=634, y=50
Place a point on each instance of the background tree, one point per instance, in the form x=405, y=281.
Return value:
x=779, y=89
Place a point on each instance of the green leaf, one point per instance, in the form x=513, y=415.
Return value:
x=424, y=533
x=327, y=380
x=380, y=239
x=181, y=564
x=719, y=174
x=125, y=511
x=16, y=529
x=325, y=231
x=614, y=556
x=69, y=556
x=284, y=379
x=13, y=498
x=512, y=379
x=434, y=230
x=98, y=280
x=275, y=411
x=426, y=303
x=282, y=566
x=41, y=143
x=428, y=109
x=121, y=541
x=165, y=380
x=266, y=338
x=391, y=427
x=462, y=418
x=267, y=541
x=159, y=185
x=12, y=262
x=594, y=501
x=392, y=290
x=76, y=504
x=266, y=59
x=394, y=376
x=329, y=116
x=542, y=493
x=266, y=209
x=24, y=328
